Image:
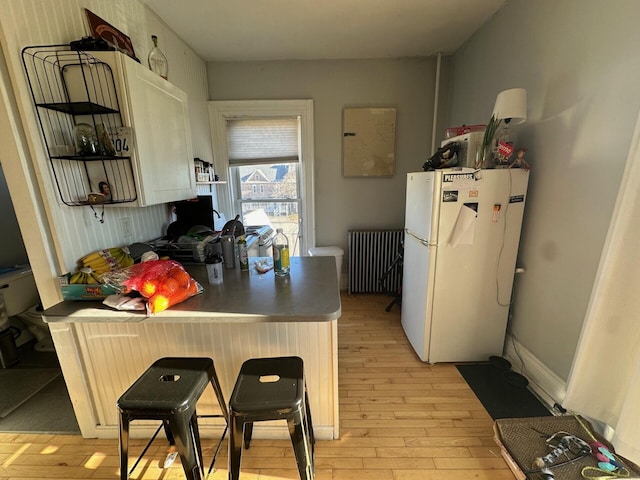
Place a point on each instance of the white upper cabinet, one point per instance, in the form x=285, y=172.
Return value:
x=158, y=113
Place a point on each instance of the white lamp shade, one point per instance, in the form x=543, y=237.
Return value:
x=511, y=105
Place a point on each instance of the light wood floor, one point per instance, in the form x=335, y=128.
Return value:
x=400, y=419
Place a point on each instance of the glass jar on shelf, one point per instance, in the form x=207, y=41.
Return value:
x=85, y=140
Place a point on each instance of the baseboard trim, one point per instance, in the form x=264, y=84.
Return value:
x=550, y=388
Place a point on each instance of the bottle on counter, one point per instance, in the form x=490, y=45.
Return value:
x=281, y=254
x=214, y=268
x=228, y=251
x=157, y=61
x=243, y=255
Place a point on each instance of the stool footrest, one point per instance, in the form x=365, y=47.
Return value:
x=153, y=437
x=215, y=454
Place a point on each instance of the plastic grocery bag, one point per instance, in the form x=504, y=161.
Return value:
x=163, y=283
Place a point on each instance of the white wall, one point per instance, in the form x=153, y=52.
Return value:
x=74, y=231
x=406, y=84
x=579, y=62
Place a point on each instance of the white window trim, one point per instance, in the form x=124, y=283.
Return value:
x=223, y=110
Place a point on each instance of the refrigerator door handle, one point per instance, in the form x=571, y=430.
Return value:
x=424, y=242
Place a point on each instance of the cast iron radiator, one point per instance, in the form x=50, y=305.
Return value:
x=373, y=261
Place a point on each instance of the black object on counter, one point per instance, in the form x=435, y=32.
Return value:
x=137, y=249
x=177, y=229
x=233, y=227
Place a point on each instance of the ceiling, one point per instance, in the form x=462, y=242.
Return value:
x=236, y=30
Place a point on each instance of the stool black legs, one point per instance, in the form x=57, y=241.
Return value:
x=185, y=431
x=271, y=389
x=302, y=440
x=309, y=424
x=235, y=447
x=182, y=431
x=123, y=439
x=299, y=433
x=168, y=391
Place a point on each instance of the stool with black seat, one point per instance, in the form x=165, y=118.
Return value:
x=271, y=389
x=169, y=391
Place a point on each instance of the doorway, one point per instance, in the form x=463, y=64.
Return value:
x=32, y=387
x=40, y=396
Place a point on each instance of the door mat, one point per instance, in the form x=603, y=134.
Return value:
x=501, y=398
x=20, y=384
x=522, y=441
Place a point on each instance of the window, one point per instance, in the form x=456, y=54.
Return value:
x=265, y=151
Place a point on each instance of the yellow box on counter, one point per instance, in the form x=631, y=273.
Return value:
x=79, y=291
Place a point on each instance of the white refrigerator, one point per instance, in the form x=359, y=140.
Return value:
x=462, y=231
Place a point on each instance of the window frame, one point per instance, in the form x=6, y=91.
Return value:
x=222, y=110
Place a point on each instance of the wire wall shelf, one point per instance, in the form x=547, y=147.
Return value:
x=88, y=147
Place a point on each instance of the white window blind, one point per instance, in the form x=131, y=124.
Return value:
x=255, y=141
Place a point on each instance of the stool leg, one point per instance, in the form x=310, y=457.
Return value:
x=167, y=432
x=301, y=444
x=196, y=440
x=248, y=433
x=123, y=438
x=235, y=446
x=219, y=396
x=184, y=443
x=309, y=428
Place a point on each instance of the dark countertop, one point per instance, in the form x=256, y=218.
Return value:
x=309, y=294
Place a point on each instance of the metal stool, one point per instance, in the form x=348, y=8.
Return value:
x=168, y=391
x=271, y=389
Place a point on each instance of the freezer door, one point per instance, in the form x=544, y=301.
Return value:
x=419, y=205
x=474, y=278
x=417, y=293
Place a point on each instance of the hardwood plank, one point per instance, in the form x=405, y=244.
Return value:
x=427, y=452
x=396, y=463
x=339, y=474
x=395, y=423
x=438, y=474
x=471, y=442
x=470, y=463
x=400, y=419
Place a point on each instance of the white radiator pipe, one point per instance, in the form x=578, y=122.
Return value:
x=435, y=104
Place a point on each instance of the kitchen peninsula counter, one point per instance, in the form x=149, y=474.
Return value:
x=102, y=351
x=308, y=294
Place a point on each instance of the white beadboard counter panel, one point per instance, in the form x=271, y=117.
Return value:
x=101, y=355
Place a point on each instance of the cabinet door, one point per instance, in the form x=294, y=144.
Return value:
x=158, y=113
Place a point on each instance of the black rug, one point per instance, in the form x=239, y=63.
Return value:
x=498, y=395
